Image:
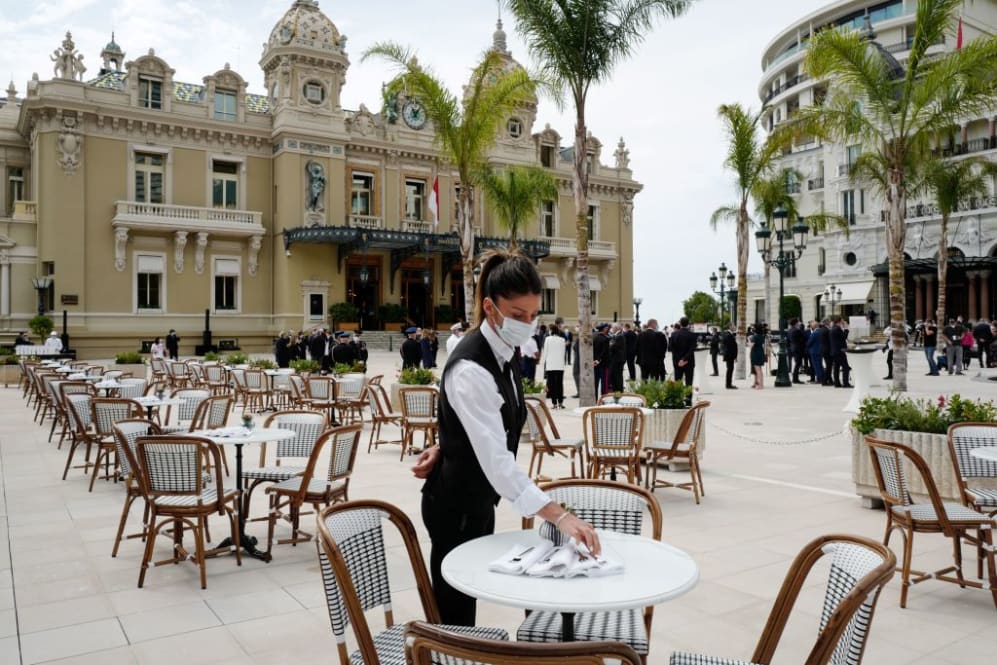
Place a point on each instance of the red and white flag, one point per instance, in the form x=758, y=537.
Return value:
x=958, y=35
x=434, y=201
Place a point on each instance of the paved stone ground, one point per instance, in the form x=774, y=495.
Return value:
x=776, y=472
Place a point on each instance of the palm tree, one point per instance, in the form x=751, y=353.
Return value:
x=952, y=182
x=577, y=44
x=894, y=112
x=514, y=194
x=771, y=194
x=751, y=159
x=465, y=129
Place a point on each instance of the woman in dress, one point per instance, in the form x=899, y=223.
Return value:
x=158, y=349
x=758, y=356
x=481, y=415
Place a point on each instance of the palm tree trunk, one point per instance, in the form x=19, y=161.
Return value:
x=895, y=237
x=943, y=268
x=465, y=221
x=768, y=295
x=742, y=294
x=586, y=378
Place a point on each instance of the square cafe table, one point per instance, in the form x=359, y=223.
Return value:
x=653, y=572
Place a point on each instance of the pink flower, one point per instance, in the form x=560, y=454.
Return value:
x=941, y=401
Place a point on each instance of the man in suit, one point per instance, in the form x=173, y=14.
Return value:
x=600, y=359
x=411, y=350
x=173, y=344
x=813, y=349
x=984, y=338
x=630, y=340
x=317, y=348
x=714, y=349
x=650, y=355
x=825, y=351
x=797, y=342
x=683, y=345
x=617, y=357
x=728, y=347
x=839, y=357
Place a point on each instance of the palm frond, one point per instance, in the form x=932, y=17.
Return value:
x=725, y=214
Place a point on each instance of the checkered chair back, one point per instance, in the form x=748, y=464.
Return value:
x=418, y=401
x=179, y=370
x=344, y=444
x=238, y=377
x=213, y=412
x=126, y=434
x=158, y=365
x=607, y=505
x=321, y=388
x=282, y=379
x=349, y=389
x=192, y=398
x=534, y=420
x=196, y=371
x=255, y=379
x=214, y=374
x=173, y=465
x=963, y=438
x=113, y=375
x=298, y=390
x=109, y=410
x=613, y=428
x=131, y=388
x=78, y=409
x=94, y=370
x=890, y=473
x=377, y=410
x=308, y=427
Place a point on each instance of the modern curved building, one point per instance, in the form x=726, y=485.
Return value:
x=145, y=201
x=855, y=263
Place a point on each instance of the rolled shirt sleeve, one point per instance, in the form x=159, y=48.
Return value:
x=474, y=397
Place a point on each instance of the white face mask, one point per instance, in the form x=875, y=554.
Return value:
x=513, y=332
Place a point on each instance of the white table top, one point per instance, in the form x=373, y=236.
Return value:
x=63, y=369
x=580, y=411
x=653, y=573
x=149, y=401
x=988, y=453
x=104, y=385
x=239, y=435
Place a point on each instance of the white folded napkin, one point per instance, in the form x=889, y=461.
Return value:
x=555, y=564
x=518, y=559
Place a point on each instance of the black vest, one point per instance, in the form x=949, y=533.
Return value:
x=457, y=476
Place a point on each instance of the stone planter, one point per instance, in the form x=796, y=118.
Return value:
x=396, y=399
x=11, y=375
x=663, y=424
x=932, y=447
x=137, y=371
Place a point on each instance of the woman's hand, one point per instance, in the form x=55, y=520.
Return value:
x=425, y=462
x=583, y=532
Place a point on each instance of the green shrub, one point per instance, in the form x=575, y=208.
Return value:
x=129, y=358
x=533, y=387
x=211, y=356
x=920, y=415
x=353, y=368
x=663, y=394
x=41, y=326
x=263, y=363
x=391, y=312
x=8, y=359
x=237, y=359
x=416, y=376
x=344, y=311
x=305, y=365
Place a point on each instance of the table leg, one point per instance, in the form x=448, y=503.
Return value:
x=567, y=626
x=247, y=542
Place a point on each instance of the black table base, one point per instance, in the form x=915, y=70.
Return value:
x=247, y=542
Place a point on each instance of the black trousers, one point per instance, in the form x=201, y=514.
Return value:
x=841, y=369
x=451, y=524
x=631, y=368
x=797, y=364
x=684, y=372
x=647, y=371
x=713, y=357
x=616, y=378
x=555, y=386
x=730, y=371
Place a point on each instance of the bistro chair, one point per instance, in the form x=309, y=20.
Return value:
x=426, y=644
x=60, y=389
x=613, y=440
x=213, y=378
x=280, y=394
x=159, y=371
x=308, y=427
x=354, y=563
x=381, y=413
x=419, y=404
x=257, y=390
x=179, y=374
x=126, y=434
x=538, y=416
x=106, y=412
x=321, y=391
x=299, y=392
x=132, y=388
x=185, y=410
x=962, y=439
x=860, y=568
x=684, y=447
x=612, y=507
x=954, y=520
x=351, y=397
x=311, y=488
x=82, y=433
x=212, y=413
x=174, y=488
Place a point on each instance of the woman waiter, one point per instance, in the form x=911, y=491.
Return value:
x=481, y=416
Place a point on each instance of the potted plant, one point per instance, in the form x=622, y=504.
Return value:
x=344, y=316
x=305, y=366
x=41, y=326
x=211, y=356
x=533, y=388
x=391, y=312
x=131, y=361
x=262, y=363
x=669, y=401
x=236, y=359
x=411, y=376
x=921, y=424
x=10, y=367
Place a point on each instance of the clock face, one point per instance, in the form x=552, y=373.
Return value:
x=414, y=114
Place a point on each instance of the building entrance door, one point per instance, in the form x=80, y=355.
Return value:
x=417, y=297
x=365, y=293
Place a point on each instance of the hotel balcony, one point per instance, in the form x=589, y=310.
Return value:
x=164, y=217
x=25, y=211
x=598, y=249
x=365, y=222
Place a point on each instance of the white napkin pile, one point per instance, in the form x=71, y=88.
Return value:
x=545, y=560
x=230, y=432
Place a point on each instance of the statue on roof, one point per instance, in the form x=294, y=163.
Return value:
x=68, y=63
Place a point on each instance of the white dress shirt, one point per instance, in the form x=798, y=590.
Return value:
x=553, y=353
x=474, y=397
x=452, y=342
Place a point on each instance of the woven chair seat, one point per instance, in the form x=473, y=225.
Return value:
x=626, y=627
x=183, y=500
x=616, y=453
x=273, y=473
x=682, y=658
x=421, y=422
x=663, y=446
x=983, y=496
x=956, y=512
x=567, y=443
x=316, y=486
x=390, y=644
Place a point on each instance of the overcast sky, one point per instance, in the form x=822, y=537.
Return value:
x=663, y=101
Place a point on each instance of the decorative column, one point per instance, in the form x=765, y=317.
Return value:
x=972, y=314
x=179, y=242
x=255, y=242
x=932, y=303
x=986, y=307
x=918, y=299
x=4, y=284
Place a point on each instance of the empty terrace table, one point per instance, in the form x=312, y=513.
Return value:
x=238, y=437
x=653, y=572
x=150, y=402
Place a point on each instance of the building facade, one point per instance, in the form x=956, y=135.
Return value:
x=855, y=263
x=153, y=204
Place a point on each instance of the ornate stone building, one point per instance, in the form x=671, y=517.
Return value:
x=150, y=201
x=856, y=263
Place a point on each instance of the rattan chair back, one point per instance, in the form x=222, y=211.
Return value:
x=110, y=410
x=962, y=439
x=418, y=401
x=308, y=427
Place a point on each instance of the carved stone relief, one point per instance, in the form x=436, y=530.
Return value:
x=120, y=240
x=202, y=244
x=255, y=242
x=69, y=144
x=179, y=243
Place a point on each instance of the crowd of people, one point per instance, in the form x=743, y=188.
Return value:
x=327, y=348
x=954, y=345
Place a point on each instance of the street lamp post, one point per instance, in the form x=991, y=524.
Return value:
x=782, y=262
x=41, y=285
x=726, y=282
x=637, y=303
x=833, y=296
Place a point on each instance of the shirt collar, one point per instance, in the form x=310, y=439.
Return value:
x=503, y=352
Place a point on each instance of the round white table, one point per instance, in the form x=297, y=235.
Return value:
x=151, y=402
x=238, y=437
x=653, y=572
x=580, y=410
x=107, y=386
x=988, y=453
